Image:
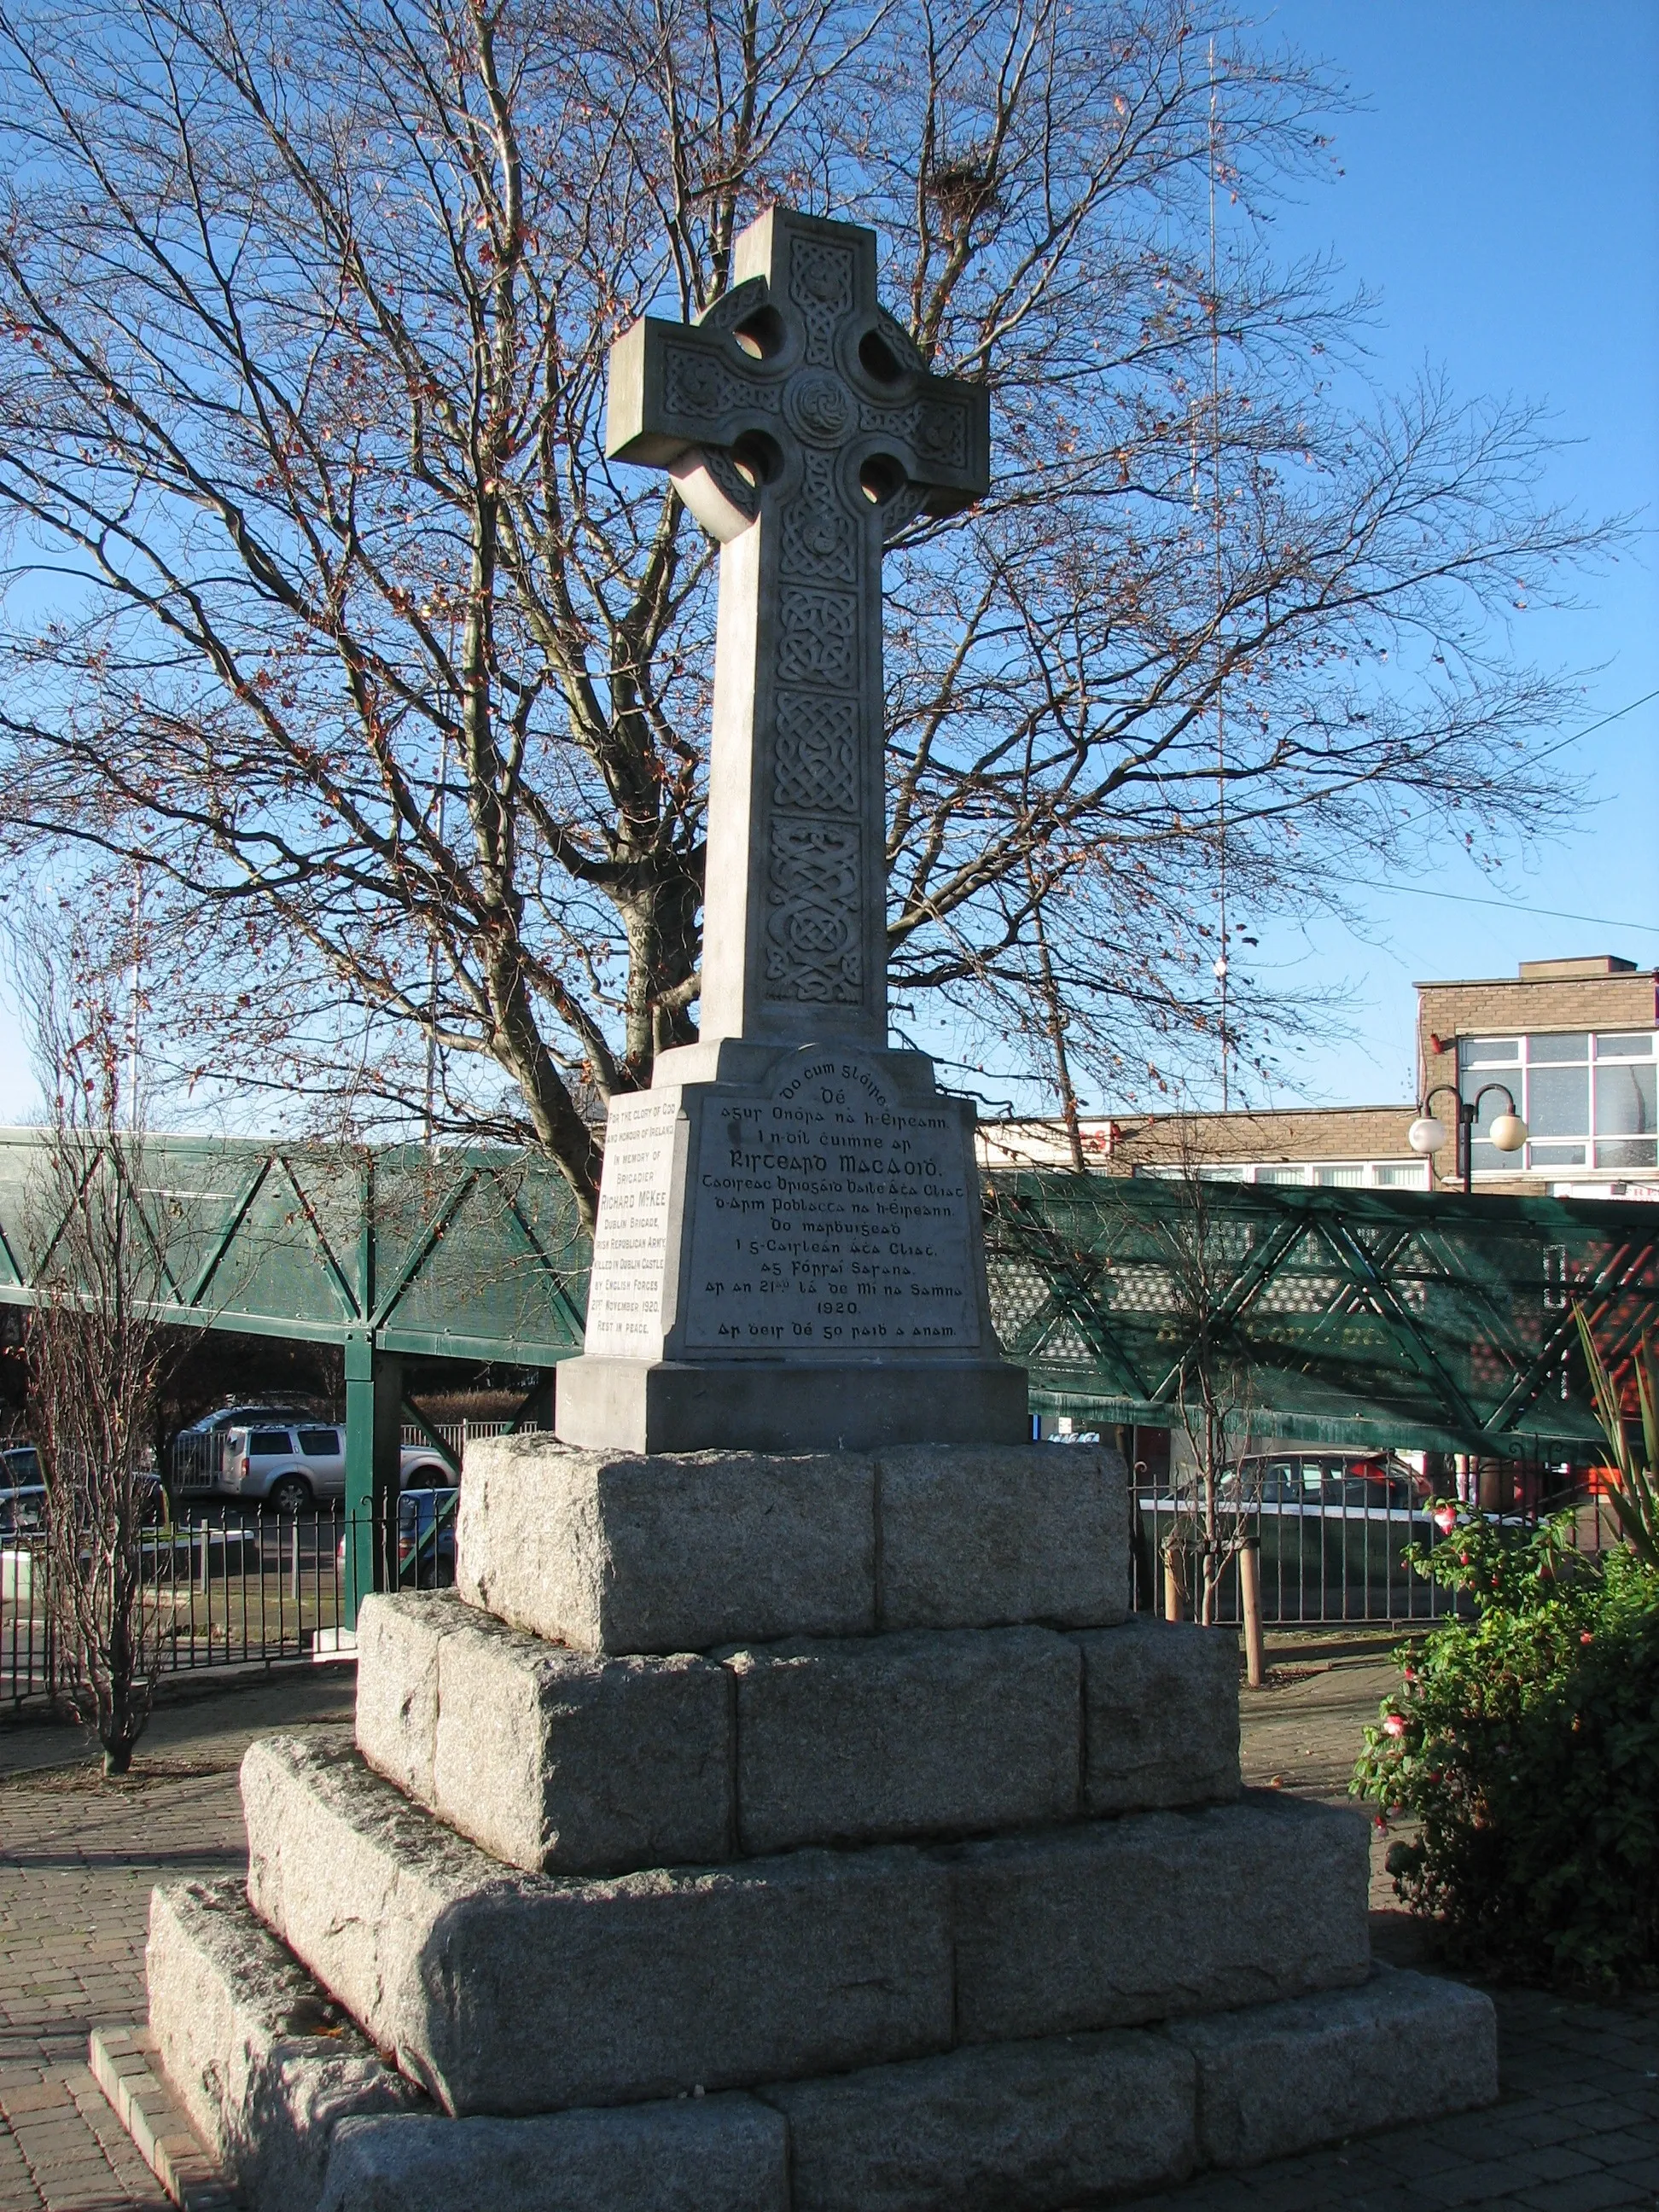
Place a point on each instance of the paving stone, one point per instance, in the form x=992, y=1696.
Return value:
x=1024, y=2127
x=725, y=2154
x=555, y=1760
x=1156, y=1914
x=1401, y=2047
x=126, y=2068
x=933, y=1732
x=1003, y=1534
x=509, y=1992
x=613, y=1551
x=1160, y=1715
x=264, y=2065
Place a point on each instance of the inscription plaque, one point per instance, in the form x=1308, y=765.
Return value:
x=827, y=1216
x=625, y=1298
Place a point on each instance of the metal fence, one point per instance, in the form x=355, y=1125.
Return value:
x=1320, y=1562
x=1328, y=1560
x=227, y=1589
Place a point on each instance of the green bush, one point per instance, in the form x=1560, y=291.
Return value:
x=1524, y=1743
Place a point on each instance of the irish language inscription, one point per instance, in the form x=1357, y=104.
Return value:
x=829, y=1216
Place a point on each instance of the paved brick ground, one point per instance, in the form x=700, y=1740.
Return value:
x=78, y=1859
x=1577, y=2129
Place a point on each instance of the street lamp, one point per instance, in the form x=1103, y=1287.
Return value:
x=1428, y=1133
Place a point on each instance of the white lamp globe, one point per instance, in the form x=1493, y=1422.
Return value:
x=1426, y=1135
x=1508, y=1132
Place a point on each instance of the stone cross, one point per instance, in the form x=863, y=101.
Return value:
x=803, y=431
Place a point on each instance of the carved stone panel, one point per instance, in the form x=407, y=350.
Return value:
x=820, y=538
x=815, y=759
x=818, y=638
x=830, y=1217
x=630, y=1243
x=813, y=948
x=822, y=276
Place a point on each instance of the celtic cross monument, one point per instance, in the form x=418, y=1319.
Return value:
x=627, y=1892
x=788, y=1251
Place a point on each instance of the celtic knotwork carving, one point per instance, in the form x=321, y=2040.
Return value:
x=937, y=434
x=820, y=538
x=821, y=278
x=819, y=406
x=813, y=949
x=815, y=763
x=941, y=434
x=900, y=510
x=818, y=637
x=694, y=383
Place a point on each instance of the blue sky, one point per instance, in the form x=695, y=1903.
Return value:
x=1500, y=191
x=1500, y=185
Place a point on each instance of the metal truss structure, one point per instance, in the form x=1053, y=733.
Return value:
x=1425, y=1321
x=1355, y=1316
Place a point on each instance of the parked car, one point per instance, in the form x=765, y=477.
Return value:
x=22, y=1513
x=23, y=1467
x=199, y=1452
x=303, y=1464
x=426, y=1538
x=20, y=1471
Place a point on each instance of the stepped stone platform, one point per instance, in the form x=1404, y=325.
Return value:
x=784, y=1834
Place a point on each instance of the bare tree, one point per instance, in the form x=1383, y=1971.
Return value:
x=328, y=609
x=96, y=1356
x=1205, y=1250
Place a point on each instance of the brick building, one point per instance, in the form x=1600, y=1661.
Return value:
x=1573, y=1043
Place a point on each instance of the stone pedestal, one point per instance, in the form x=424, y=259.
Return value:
x=810, y=1834
x=788, y=1256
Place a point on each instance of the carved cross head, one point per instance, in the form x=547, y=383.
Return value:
x=797, y=374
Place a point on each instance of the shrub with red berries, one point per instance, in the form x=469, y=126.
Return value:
x=1523, y=1746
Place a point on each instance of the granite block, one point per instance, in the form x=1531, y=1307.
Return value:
x=980, y=1537
x=556, y=1760
x=508, y=1992
x=725, y=2154
x=1160, y=1715
x=265, y=2067
x=1399, y=2050
x=613, y=1551
x=1023, y=2127
x=932, y=1733
x=396, y=1708
x=1158, y=1914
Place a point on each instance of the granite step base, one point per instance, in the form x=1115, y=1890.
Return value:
x=504, y=1991
x=311, y=2122
x=575, y=1762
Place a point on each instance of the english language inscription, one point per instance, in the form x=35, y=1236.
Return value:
x=625, y=1292
x=830, y=1216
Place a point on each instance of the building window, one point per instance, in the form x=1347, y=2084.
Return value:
x=1320, y=1175
x=1589, y=1100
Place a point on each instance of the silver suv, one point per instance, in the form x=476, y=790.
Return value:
x=299, y=1464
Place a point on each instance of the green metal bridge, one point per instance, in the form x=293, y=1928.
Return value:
x=1430, y=1321
x=1433, y=1321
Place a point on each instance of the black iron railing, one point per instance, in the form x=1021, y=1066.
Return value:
x=227, y=1588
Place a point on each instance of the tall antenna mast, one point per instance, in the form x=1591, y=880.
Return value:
x=1217, y=519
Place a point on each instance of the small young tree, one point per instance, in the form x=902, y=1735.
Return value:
x=1204, y=1251
x=96, y=1355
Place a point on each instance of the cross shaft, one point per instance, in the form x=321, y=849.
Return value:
x=803, y=431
